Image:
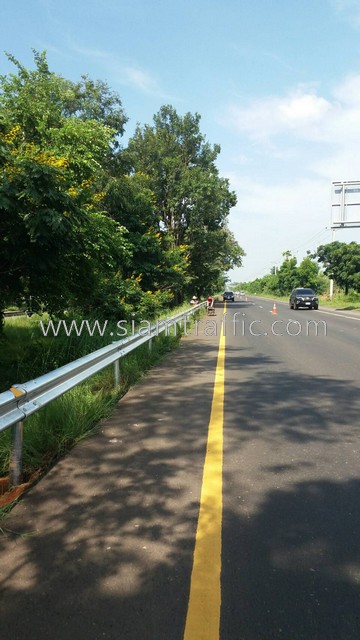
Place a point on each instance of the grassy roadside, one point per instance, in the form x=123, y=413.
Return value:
x=350, y=302
x=50, y=432
x=26, y=353
x=55, y=429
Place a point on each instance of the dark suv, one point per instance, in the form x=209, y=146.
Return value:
x=228, y=296
x=305, y=298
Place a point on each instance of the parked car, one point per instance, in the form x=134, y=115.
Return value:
x=303, y=297
x=228, y=296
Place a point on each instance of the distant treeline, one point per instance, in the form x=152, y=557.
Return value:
x=339, y=261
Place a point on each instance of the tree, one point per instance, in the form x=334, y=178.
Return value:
x=157, y=264
x=309, y=275
x=85, y=225
x=40, y=100
x=342, y=263
x=288, y=274
x=53, y=165
x=193, y=202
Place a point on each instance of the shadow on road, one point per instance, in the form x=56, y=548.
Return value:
x=294, y=566
x=103, y=545
x=291, y=565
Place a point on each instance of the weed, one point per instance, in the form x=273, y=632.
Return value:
x=56, y=428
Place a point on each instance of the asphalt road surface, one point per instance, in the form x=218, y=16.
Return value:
x=221, y=501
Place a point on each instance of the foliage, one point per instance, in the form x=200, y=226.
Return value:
x=89, y=227
x=342, y=263
x=287, y=277
x=311, y=276
x=349, y=302
x=156, y=263
x=191, y=199
x=50, y=205
x=54, y=429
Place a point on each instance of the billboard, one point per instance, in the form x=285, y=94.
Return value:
x=345, y=205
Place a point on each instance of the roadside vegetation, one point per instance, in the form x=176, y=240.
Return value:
x=341, y=301
x=337, y=260
x=29, y=347
x=91, y=229
x=51, y=432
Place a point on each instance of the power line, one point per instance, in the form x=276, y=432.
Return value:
x=317, y=236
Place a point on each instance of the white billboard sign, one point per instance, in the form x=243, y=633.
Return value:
x=345, y=205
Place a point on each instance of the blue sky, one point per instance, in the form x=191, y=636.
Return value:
x=276, y=82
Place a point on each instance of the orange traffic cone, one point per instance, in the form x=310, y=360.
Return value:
x=274, y=310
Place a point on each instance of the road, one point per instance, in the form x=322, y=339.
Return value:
x=259, y=429
x=291, y=482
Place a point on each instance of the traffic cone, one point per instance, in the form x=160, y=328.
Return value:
x=274, y=310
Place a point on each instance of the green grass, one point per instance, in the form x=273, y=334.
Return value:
x=55, y=429
x=351, y=302
x=25, y=352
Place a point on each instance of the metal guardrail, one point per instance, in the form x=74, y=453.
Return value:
x=22, y=400
x=14, y=314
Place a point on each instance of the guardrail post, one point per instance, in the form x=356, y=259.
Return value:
x=117, y=373
x=150, y=344
x=16, y=454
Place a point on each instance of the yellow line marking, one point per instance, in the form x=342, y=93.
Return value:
x=203, y=615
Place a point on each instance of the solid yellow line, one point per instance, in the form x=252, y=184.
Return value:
x=203, y=615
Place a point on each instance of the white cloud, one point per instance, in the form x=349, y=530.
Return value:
x=301, y=116
x=348, y=91
x=349, y=10
x=344, y=164
x=306, y=108
x=141, y=80
x=282, y=202
x=126, y=72
x=265, y=118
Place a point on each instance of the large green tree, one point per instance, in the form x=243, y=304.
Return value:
x=341, y=262
x=159, y=266
x=287, y=275
x=55, y=147
x=192, y=201
x=309, y=275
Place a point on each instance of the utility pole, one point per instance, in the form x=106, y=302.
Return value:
x=331, y=290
